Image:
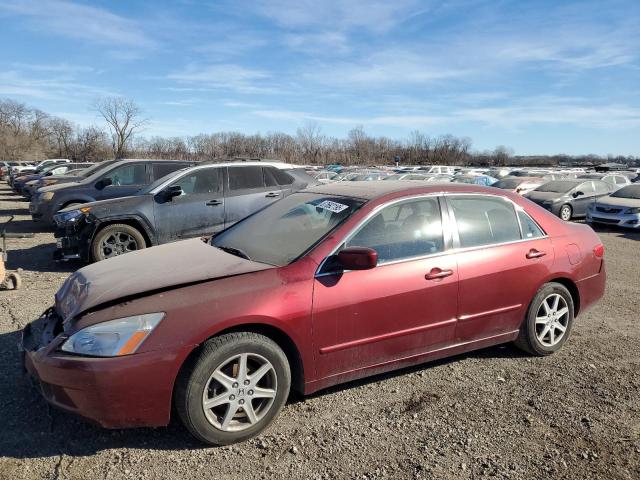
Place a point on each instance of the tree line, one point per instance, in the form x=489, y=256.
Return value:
x=28, y=133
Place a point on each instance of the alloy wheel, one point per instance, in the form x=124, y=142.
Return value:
x=118, y=243
x=565, y=213
x=240, y=392
x=552, y=320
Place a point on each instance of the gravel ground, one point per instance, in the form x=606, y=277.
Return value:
x=495, y=412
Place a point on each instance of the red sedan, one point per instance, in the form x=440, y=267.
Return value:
x=331, y=284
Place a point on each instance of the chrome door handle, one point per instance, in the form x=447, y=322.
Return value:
x=272, y=195
x=437, y=273
x=213, y=203
x=533, y=253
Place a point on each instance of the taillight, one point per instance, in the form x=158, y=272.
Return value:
x=598, y=251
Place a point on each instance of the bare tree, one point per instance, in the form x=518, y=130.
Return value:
x=124, y=118
x=311, y=141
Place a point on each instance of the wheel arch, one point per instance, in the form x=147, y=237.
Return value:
x=134, y=222
x=279, y=336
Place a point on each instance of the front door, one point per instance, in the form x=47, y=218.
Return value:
x=198, y=211
x=405, y=306
x=582, y=202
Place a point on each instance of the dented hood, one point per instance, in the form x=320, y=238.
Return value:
x=147, y=270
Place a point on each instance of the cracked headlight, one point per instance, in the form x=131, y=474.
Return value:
x=114, y=338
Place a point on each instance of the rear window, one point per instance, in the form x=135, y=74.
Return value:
x=508, y=183
x=242, y=178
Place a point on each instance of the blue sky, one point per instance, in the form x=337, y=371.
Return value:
x=539, y=76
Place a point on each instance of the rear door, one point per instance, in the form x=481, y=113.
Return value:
x=503, y=257
x=198, y=211
x=126, y=180
x=246, y=192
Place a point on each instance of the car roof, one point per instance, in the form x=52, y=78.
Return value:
x=374, y=190
x=279, y=165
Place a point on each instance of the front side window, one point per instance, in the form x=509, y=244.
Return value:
x=243, y=178
x=130, y=174
x=587, y=188
x=404, y=230
x=200, y=182
x=483, y=220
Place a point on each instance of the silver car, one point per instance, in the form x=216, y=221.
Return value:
x=621, y=208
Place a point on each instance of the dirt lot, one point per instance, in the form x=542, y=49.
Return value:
x=493, y=413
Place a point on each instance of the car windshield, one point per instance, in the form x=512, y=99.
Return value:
x=508, y=183
x=556, y=187
x=630, y=191
x=286, y=229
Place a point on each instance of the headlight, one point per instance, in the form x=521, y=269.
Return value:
x=71, y=215
x=632, y=211
x=46, y=196
x=49, y=181
x=114, y=338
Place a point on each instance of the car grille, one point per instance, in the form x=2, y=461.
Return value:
x=608, y=209
x=605, y=220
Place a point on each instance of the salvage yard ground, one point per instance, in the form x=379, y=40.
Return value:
x=495, y=412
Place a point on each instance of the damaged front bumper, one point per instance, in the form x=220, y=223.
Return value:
x=114, y=392
x=73, y=239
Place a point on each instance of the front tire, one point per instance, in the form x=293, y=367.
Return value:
x=233, y=388
x=115, y=240
x=548, y=322
x=566, y=212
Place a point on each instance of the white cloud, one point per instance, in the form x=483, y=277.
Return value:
x=74, y=20
x=373, y=15
x=224, y=76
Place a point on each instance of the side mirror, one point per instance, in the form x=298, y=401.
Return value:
x=358, y=258
x=105, y=182
x=577, y=194
x=173, y=191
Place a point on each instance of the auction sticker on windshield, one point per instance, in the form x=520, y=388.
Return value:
x=332, y=206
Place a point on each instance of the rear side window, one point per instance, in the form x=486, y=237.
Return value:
x=621, y=180
x=130, y=174
x=529, y=228
x=242, y=178
x=405, y=230
x=484, y=220
x=162, y=169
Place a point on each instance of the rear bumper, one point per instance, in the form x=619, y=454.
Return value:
x=591, y=289
x=122, y=392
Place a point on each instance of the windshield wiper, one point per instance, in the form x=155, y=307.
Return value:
x=234, y=251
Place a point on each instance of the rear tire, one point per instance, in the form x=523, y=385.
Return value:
x=545, y=328
x=243, y=404
x=566, y=212
x=115, y=240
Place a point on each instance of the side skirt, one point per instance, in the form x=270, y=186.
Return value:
x=456, y=349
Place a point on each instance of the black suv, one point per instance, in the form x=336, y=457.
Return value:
x=116, y=179
x=191, y=202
